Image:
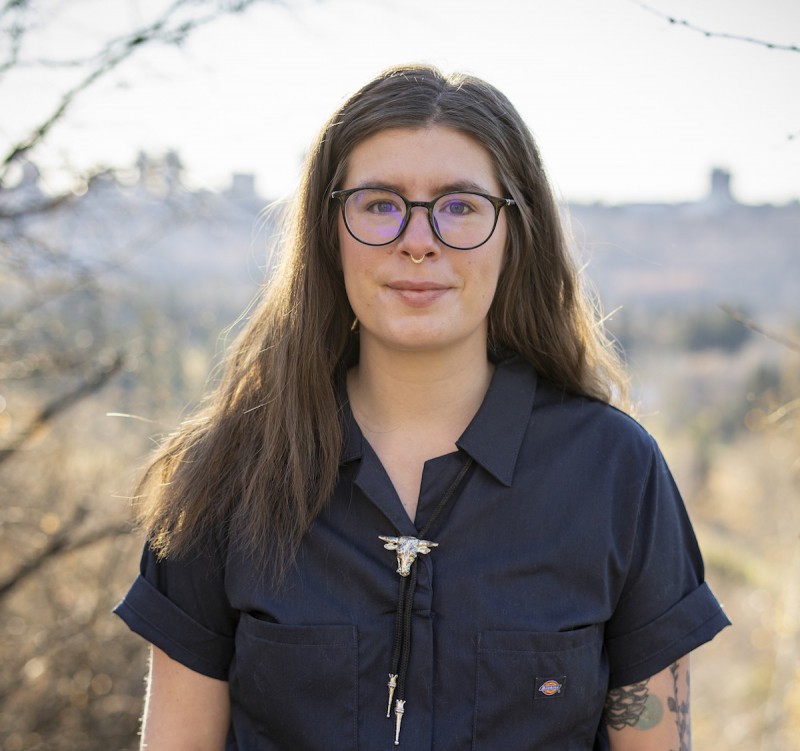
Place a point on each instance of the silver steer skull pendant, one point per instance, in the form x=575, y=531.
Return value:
x=408, y=548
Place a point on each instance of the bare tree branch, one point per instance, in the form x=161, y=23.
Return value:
x=60, y=544
x=791, y=344
x=43, y=207
x=88, y=387
x=164, y=30
x=15, y=32
x=717, y=34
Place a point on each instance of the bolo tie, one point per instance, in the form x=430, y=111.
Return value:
x=408, y=548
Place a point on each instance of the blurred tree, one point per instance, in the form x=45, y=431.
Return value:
x=63, y=340
x=37, y=273
x=56, y=344
x=711, y=330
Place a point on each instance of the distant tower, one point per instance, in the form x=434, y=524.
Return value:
x=243, y=186
x=719, y=194
x=26, y=191
x=30, y=176
x=173, y=169
x=143, y=165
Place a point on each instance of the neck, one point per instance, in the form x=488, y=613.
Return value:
x=393, y=390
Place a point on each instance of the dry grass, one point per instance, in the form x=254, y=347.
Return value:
x=73, y=675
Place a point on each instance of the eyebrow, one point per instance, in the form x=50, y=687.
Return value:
x=452, y=187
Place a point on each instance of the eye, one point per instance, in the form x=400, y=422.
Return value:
x=376, y=202
x=383, y=206
x=457, y=208
x=458, y=205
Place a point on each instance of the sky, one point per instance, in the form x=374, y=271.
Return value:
x=625, y=106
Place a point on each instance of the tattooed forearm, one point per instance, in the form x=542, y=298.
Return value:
x=678, y=704
x=633, y=706
x=653, y=713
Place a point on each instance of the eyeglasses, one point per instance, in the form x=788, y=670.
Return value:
x=461, y=220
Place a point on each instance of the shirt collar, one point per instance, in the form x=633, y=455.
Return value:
x=493, y=438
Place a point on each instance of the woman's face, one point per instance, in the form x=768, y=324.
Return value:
x=443, y=301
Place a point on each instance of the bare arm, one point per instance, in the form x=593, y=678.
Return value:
x=652, y=715
x=184, y=710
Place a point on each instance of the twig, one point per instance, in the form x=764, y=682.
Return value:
x=44, y=206
x=785, y=341
x=717, y=34
x=92, y=384
x=116, y=52
x=61, y=544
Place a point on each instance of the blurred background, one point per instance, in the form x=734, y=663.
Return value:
x=140, y=142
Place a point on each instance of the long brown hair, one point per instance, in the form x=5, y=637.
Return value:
x=261, y=457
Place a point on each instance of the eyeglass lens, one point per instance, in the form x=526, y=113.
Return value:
x=462, y=220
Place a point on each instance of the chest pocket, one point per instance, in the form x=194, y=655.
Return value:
x=538, y=691
x=298, y=685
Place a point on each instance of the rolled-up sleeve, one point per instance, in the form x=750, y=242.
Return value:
x=180, y=606
x=665, y=609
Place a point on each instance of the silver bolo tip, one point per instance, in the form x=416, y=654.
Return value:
x=392, y=684
x=399, y=708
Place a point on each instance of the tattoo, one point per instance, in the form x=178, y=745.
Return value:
x=633, y=706
x=680, y=710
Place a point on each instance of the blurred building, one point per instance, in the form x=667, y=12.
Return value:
x=146, y=223
x=715, y=251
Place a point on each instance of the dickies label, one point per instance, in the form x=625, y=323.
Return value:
x=550, y=687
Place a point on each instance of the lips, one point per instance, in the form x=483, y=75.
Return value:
x=416, y=293
x=418, y=286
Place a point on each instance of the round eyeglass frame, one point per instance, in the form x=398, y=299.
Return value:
x=498, y=203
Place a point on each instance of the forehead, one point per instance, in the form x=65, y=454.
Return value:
x=421, y=162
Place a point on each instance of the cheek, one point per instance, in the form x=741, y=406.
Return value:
x=356, y=276
x=350, y=276
x=502, y=263
x=490, y=279
x=348, y=254
x=497, y=262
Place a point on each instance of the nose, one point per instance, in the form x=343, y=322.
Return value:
x=418, y=239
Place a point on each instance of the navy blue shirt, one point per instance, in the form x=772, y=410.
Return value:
x=565, y=566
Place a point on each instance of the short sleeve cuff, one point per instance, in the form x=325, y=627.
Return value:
x=693, y=621
x=150, y=614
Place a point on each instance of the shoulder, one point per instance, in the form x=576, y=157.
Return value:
x=528, y=427
x=593, y=425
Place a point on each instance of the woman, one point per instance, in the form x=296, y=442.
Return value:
x=409, y=516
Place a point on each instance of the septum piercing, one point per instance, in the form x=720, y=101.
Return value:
x=417, y=260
